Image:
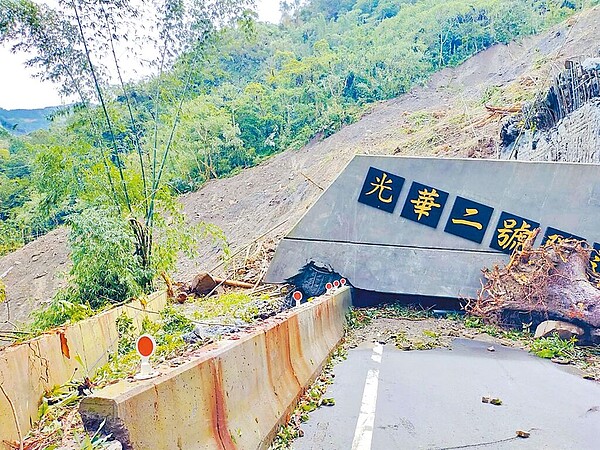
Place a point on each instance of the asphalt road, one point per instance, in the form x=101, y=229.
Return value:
x=390, y=399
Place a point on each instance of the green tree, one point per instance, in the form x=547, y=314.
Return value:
x=71, y=46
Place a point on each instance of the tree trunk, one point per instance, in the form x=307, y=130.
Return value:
x=552, y=279
x=143, y=244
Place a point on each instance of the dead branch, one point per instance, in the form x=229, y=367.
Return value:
x=237, y=252
x=169, y=283
x=504, y=109
x=311, y=180
x=7, y=272
x=497, y=112
x=233, y=283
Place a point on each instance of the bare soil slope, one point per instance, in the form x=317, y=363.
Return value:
x=33, y=274
x=446, y=118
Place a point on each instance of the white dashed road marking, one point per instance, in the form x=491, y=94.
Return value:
x=363, y=435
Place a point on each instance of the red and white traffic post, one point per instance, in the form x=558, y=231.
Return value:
x=329, y=288
x=145, y=346
x=297, y=296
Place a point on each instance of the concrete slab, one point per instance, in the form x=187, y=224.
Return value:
x=231, y=394
x=372, y=235
x=432, y=400
x=32, y=367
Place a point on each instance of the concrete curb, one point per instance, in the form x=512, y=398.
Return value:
x=233, y=394
x=30, y=368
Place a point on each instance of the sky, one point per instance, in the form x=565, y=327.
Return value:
x=20, y=90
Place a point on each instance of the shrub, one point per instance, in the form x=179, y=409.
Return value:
x=105, y=266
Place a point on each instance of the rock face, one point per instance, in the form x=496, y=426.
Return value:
x=561, y=125
x=576, y=138
x=564, y=330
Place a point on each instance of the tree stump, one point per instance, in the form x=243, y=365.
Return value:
x=552, y=279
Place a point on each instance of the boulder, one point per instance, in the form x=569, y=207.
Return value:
x=202, y=284
x=565, y=330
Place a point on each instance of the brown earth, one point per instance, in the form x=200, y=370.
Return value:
x=445, y=118
x=33, y=274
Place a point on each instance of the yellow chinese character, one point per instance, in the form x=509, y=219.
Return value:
x=594, y=262
x=469, y=212
x=510, y=237
x=554, y=239
x=425, y=202
x=381, y=187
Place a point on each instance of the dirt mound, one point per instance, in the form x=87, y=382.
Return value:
x=446, y=117
x=33, y=274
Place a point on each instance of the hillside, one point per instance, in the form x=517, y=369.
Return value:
x=24, y=121
x=446, y=117
x=254, y=90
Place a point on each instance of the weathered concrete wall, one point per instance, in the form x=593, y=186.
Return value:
x=233, y=394
x=28, y=369
x=382, y=250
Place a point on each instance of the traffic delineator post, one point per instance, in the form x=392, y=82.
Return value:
x=145, y=346
x=297, y=296
x=329, y=288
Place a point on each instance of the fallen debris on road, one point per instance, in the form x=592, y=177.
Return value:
x=552, y=281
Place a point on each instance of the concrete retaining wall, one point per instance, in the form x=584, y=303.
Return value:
x=233, y=394
x=28, y=369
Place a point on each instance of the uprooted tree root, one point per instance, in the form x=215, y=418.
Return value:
x=552, y=279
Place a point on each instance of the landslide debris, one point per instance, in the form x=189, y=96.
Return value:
x=452, y=115
x=552, y=282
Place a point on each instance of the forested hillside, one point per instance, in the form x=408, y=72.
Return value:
x=23, y=121
x=260, y=92
x=248, y=92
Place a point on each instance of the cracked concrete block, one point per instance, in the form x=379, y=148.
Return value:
x=232, y=394
x=379, y=247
